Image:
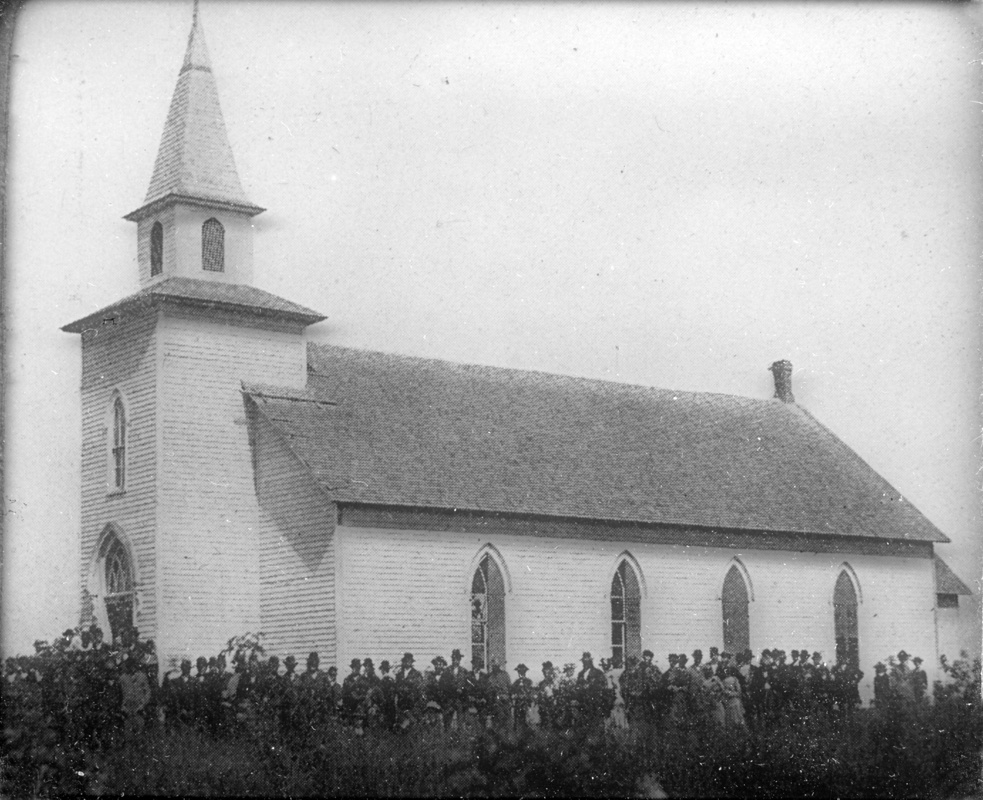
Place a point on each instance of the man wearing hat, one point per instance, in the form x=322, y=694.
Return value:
x=546, y=696
x=431, y=681
x=387, y=697
x=409, y=691
x=522, y=696
x=901, y=678
x=919, y=680
x=452, y=686
x=499, y=702
x=351, y=694
x=591, y=688
x=882, y=686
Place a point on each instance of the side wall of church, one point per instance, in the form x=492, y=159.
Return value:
x=409, y=590
x=296, y=550
x=120, y=355
x=209, y=518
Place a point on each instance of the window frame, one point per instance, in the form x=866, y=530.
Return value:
x=212, y=245
x=117, y=444
x=156, y=249
x=846, y=615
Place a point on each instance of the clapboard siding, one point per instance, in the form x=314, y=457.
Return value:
x=209, y=517
x=296, y=542
x=120, y=355
x=408, y=590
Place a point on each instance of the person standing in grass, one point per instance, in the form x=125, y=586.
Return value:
x=136, y=694
x=919, y=680
x=882, y=686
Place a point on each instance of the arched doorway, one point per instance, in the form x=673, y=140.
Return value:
x=119, y=586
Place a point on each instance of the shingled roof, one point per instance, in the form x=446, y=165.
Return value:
x=195, y=161
x=202, y=294
x=946, y=581
x=395, y=430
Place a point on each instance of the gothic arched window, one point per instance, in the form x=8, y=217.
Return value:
x=213, y=246
x=845, y=620
x=118, y=453
x=156, y=249
x=737, y=628
x=487, y=614
x=119, y=585
x=626, y=614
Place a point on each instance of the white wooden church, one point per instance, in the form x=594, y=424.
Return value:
x=237, y=478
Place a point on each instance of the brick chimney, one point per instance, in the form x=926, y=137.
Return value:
x=782, y=370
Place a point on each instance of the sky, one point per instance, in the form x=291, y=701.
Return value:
x=671, y=194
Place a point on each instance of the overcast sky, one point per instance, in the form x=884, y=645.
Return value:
x=671, y=194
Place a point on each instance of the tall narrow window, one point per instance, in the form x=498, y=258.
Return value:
x=845, y=620
x=737, y=629
x=626, y=614
x=119, y=444
x=156, y=249
x=119, y=586
x=213, y=246
x=487, y=614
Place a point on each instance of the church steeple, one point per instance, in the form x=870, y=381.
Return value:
x=194, y=174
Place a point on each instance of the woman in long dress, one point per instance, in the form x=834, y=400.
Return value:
x=733, y=703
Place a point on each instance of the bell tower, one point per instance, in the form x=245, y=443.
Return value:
x=169, y=522
x=195, y=219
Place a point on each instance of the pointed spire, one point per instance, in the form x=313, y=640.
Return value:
x=195, y=160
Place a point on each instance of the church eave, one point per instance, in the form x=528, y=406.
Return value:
x=148, y=299
x=173, y=198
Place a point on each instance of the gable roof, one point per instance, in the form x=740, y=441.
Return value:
x=202, y=294
x=194, y=161
x=396, y=430
x=946, y=581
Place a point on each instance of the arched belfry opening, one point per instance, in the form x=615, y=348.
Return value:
x=213, y=246
x=487, y=613
x=845, y=620
x=626, y=613
x=736, y=620
x=156, y=249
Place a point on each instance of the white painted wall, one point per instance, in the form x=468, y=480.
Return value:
x=408, y=590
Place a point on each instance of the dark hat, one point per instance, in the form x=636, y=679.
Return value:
x=648, y=653
x=714, y=651
x=439, y=661
x=201, y=660
x=368, y=663
x=726, y=654
x=586, y=656
x=455, y=653
x=407, y=657
x=818, y=655
x=681, y=658
x=795, y=654
x=697, y=652
x=522, y=668
x=546, y=665
x=384, y=666
x=356, y=662
x=313, y=655
x=185, y=661
x=879, y=667
x=766, y=652
x=290, y=660
x=332, y=670
x=902, y=655
x=917, y=659
x=69, y=633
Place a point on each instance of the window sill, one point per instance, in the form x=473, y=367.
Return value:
x=116, y=493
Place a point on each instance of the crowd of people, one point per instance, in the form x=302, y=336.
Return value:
x=98, y=689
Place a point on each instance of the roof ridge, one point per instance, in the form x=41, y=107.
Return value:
x=557, y=376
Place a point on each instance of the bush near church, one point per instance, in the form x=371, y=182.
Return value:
x=64, y=734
